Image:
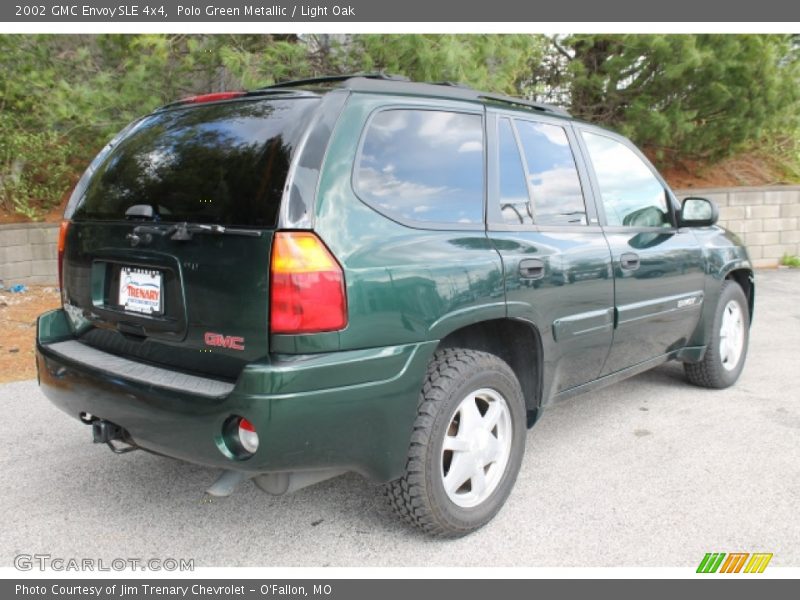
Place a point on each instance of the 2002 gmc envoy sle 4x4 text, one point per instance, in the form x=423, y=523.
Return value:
x=365, y=274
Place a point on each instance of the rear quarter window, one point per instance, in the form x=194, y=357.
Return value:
x=423, y=166
x=223, y=163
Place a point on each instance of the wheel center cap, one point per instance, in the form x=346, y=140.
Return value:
x=480, y=443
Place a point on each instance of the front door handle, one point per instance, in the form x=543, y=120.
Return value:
x=629, y=261
x=531, y=268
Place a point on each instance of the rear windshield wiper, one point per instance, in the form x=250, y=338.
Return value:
x=184, y=231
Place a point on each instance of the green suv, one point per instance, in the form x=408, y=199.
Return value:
x=365, y=274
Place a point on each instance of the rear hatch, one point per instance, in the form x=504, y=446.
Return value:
x=167, y=256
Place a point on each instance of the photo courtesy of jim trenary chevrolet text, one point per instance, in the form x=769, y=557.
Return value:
x=347, y=299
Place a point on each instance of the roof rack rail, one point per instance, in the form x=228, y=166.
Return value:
x=445, y=89
x=523, y=102
x=335, y=79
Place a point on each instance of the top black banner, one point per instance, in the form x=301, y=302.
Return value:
x=392, y=11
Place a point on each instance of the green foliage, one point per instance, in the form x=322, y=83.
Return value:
x=790, y=261
x=784, y=144
x=34, y=166
x=499, y=63
x=62, y=97
x=699, y=96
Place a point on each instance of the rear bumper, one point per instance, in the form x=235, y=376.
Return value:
x=351, y=410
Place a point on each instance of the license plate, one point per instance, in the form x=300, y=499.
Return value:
x=140, y=290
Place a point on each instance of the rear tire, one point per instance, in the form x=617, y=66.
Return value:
x=726, y=351
x=467, y=445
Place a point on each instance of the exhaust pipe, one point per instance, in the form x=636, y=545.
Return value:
x=279, y=484
x=275, y=484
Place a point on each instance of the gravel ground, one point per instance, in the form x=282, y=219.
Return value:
x=650, y=472
x=18, y=312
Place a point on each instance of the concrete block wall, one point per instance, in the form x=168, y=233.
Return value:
x=767, y=218
x=28, y=254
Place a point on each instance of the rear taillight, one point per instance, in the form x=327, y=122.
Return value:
x=62, y=241
x=307, y=292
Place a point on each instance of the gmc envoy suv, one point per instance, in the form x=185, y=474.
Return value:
x=365, y=274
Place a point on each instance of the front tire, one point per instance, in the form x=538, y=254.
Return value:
x=726, y=351
x=467, y=445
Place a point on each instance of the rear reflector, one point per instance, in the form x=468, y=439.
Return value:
x=248, y=437
x=215, y=97
x=307, y=293
x=62, y=241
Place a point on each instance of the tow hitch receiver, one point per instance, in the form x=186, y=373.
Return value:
x=106, y=432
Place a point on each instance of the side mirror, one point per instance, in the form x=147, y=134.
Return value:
x=698, y=212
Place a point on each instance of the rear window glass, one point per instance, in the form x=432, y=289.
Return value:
x=424, y=165
x=220, y=163
x=555, y=185
x=514, y=200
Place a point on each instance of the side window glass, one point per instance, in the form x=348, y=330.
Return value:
x=423, y=165
x=632, y=196
x=514, y=201
x=557, y=196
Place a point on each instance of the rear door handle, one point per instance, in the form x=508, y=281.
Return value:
x=629, y=261
x=531, y=268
